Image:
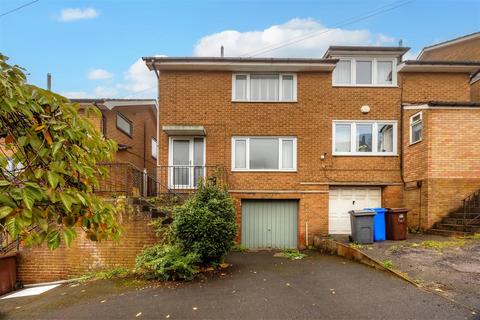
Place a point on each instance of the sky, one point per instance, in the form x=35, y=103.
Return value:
x=93, y=49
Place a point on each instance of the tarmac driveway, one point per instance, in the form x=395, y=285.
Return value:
x=257, y=285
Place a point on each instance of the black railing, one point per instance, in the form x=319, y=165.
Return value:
x=471, y=204
x=185, y=179
x=126, y=179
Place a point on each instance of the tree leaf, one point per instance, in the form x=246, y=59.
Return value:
x=5, y=211
x=53, y=179
x=53, y=239
x=4, y=183
x=68, y=235
x=67, y=201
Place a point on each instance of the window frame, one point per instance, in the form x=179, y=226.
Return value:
x=127, y=120
x=280, y=87
x=353, y=72
x=353, y=138
x=280, y=140
x=156, y=148
x=412, y=123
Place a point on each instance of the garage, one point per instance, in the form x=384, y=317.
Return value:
x=344, y=199
x=269, y=224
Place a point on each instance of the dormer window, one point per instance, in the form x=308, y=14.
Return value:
x=367, y=72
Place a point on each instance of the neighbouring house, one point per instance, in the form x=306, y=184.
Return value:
x=303, y=141
x=132, y=123
x=465, y=48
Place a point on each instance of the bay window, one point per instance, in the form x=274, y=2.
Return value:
x=264, y=87
x=264, y=153
x=365, y=138
x=365, y=72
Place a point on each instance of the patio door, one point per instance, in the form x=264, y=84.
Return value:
x=187, y=162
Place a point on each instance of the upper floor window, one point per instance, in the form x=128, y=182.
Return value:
x=154, y=148
x=124, y=124
x=365, y=72
x=364, y=138
x=264, y=87
x=264, y=154
x=416, y=128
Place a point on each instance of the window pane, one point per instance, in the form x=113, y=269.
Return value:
x=384, y=72
x=364, y=72
x=385, y=137
x=198, y=152
x=240, y=154
x=263, y=153
x=287, y=87
x=364, y=137
x=264, y=87
x=240, y=87
x=342, y=138
x=181, y=152
x=342, y=72
x=154, y=148
x=287, y=154
x=124, y=125
x=417, y=132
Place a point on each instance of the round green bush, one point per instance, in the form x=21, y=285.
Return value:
x=205, y=224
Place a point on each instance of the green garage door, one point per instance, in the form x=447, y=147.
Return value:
x=269, y=224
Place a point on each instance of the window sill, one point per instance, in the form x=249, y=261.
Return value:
x=364, y=86
x=364, y=154
x=414, y=143
x=264, y=101
x=265, y=170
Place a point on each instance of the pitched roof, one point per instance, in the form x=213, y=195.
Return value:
x=449, y=42
x=470, y=67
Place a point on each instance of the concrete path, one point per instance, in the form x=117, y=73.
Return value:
x=256, y=286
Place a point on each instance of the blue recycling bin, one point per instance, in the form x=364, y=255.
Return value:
x=379, y=228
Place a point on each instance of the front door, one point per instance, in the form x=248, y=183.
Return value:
x=187, y=162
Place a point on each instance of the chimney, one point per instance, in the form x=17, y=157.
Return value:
x=221, y=51
x=49, y=81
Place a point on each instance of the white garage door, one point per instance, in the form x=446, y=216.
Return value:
x=344, y=199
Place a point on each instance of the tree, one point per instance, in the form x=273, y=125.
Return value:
x=48, y=157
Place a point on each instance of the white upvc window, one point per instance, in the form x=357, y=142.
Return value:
x=365, y=72
x=154, y=148
x=264, y=153
x=416, y=128
x=364, y=138
x=264, y=87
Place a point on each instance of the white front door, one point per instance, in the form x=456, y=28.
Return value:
x=344, y=199
x=186, y=161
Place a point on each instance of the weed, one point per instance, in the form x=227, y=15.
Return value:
x=239, y=248
x=293, y=254
x=475, y=236
x=105, y=274
x=388, y=264
x=357, y=246
x=440, y=245
x=395, y=249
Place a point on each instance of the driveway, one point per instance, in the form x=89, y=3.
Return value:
x=257, y=285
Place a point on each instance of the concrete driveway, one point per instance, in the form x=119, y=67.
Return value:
x=256, y=286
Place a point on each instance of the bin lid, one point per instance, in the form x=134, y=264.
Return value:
x=377, y=209
x=397, y=210
x=364, y=212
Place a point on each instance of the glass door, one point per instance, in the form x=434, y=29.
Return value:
x=187, y=162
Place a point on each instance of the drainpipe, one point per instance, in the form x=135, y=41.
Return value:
x=306, y=234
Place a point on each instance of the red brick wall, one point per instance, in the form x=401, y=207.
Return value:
x=422, y=87
x=39, y=264
x=461, y=51
x=475, y=91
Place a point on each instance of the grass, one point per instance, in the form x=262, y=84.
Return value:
x=357, y=246
x=475, y=236
x=239, y=248
x=388, y=264
x=115, y=273
x=293, y=254
x=440, y=245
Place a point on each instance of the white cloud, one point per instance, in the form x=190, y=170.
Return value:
x=99, y=74
x=245, y=43
x=75, y=94
x=72, y=14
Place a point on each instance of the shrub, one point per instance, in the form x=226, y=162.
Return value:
x=205, y=223
x=167, y=262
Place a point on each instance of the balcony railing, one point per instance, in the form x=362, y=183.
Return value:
x=126, y=179
x=184, y=179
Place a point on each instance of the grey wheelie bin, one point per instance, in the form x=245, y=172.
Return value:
x=361, y=222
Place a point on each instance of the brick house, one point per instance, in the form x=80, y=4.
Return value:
x=303, y=141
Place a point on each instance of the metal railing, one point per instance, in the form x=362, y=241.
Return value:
x=470, y=205
x=7, y=243
x=126, y=179
x=185, y=179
